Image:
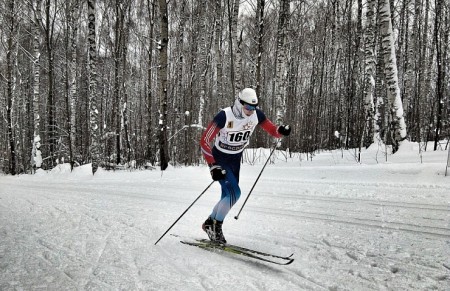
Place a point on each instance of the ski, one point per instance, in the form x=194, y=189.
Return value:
x=208, y=245
x=250, y=250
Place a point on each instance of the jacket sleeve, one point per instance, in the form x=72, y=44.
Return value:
x=205, y=142
x=267, y=125
x=271, y=128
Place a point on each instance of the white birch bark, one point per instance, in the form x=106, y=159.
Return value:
x=217, y=49
x=398, y=125
x=280, y=79
x=259, y=39
x=237, y=46
x=202, y=62
x=369, y=36
x=36, y=155
x=11, y=43
x=73, y=79
x=150, y=140
x=93, y=112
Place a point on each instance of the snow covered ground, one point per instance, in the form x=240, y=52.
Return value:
x=368, y=226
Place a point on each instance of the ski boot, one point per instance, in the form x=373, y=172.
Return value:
x=213, y=229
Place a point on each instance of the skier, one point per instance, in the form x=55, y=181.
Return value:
x=231, y=128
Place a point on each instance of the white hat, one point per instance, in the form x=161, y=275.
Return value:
x=248, y=96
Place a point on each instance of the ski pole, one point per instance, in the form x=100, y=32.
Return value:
x=276, y=143
x=184, y=212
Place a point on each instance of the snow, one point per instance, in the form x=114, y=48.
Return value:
x=352, y=226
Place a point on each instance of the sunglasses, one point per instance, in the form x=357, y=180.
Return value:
x=249, y=107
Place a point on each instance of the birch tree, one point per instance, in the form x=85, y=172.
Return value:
x=36, y=154
x=233, y=14
x=237, y=41
x=125, y=76
x=10, y=23
x=423, y=80
x=218, y=49
x=202, y=59
x=259, y=40
x=72, y=15
x=397, y=124
x=441, y=41
x=162, y=78
x=119, y=106
x=280, y=77
x=93, y=112
x=47, y=26
x=116, y=124
x=369, y=36
x=151, y=10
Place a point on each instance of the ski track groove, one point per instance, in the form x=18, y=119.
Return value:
x=304, y=281
x=384, y=203
x=380, y=203
x=392, y=225
x=417, y=206
x=378, y=186
x=338, y=251
x=180, y=267
x=396, y=226
x=300, y=274
x=91, y=271
x=351, y=184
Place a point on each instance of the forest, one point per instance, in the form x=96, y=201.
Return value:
x=133, y=83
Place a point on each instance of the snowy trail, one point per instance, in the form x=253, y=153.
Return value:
x=352, y=227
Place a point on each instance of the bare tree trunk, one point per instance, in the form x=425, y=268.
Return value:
x=150, y=140
x=118, y=36
x=126, y=104
x=422, y=76
x=280, y=79
x=123, y=57
x=36, y=155
x=441, y=46
x=218, y=51
x=413, y=70
x=237, y=41
x=429, y=93
x=72, y=78
x=162, y=78
x=398, y=125
x=202, y=61
x=233, y=38
x=370, y=70
x=93, y=112
x=238, y=64
x=9, y=79
x=125, y=110
x=446, y=71
x=48, y=29
x=350, y=90
x=259, y=39
x=181, y=81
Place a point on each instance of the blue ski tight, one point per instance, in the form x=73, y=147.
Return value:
x=230, y=185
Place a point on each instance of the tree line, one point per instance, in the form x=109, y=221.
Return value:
x=132, y=83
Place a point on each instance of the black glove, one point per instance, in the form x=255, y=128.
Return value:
x=217, y=173
x=284, y=130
